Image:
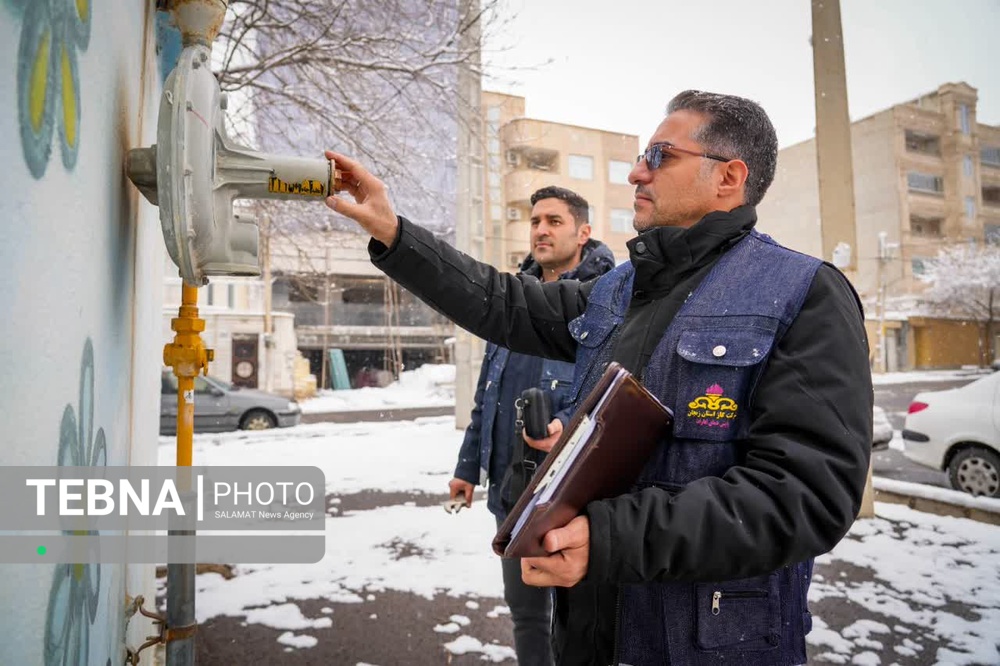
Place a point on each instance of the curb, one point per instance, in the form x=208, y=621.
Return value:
x=939, y=501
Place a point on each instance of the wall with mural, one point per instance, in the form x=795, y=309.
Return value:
x=81, y=303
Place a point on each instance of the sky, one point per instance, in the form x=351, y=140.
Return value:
x=614, y=66
x=921, y=588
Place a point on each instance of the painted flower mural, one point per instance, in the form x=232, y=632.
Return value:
x=48, y=77
x=75, y=592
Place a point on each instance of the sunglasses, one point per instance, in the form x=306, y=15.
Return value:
x=656, y=152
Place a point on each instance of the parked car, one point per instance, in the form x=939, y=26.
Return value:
x=219, y=406
x=881, y=429
x=958, y=431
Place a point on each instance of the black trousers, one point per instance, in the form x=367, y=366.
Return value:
x=531, y=611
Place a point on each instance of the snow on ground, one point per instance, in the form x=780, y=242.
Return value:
x=935, y=577
x=434, y=386
x=427, y=386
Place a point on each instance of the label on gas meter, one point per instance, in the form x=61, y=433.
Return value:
x=308, y=187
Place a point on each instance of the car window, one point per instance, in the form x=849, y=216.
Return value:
x=201, y=386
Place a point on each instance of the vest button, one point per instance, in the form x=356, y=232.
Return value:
x=583, y=336
x=719, y=351
x=640, y=248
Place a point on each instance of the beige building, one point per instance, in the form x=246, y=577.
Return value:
x=926, y=174
x=523, y=155
x=253, y=348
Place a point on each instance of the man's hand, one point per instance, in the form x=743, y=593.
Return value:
x=370, y=208
x=555, y=429
x=570, y=554
x=461, y=487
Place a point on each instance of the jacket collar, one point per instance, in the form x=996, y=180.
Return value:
x=664, y=255
x=597, y=259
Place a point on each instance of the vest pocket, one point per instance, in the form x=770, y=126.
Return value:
x=717, y=368
x=591, y=333
x=739, y=614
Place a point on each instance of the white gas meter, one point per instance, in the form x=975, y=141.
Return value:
x=195, y=171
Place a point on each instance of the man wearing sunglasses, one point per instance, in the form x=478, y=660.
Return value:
x=759, y=351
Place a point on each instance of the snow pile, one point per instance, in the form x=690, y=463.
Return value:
x=427, y=386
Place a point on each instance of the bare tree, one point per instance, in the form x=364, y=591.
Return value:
x=964, y=280
x=378, y=80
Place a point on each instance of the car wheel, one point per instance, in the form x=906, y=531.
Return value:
x=975, y=470
x=257, y=419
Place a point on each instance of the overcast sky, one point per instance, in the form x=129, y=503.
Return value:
x=614, y=65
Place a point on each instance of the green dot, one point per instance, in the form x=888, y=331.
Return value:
x=41, y=550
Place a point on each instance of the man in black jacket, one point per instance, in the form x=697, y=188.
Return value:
x=493, y=449
x=760, y=352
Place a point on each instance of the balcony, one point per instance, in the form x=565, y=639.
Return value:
x=534, y=158
x=922, y=143
x=925, y=183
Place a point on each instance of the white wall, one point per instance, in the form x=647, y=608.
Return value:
x=82, y=299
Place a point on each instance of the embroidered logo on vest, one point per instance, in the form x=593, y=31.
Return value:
x=713, y=410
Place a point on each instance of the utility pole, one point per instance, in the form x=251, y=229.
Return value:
x=265, y=236
x=469, y=204
x=326, y=325
x=833, y=137
x=885, y=254
x=834, y=165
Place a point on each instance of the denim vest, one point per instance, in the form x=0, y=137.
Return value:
x=556, y=378
x=705, y=368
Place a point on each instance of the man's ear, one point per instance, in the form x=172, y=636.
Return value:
x=583, y=234
x=734, y=177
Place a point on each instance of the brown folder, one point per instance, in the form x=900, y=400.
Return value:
x=599, y=455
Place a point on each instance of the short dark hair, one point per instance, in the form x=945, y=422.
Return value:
x=735, y=127
x=578, y=206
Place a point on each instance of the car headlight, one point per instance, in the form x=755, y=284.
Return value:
x=293, y=406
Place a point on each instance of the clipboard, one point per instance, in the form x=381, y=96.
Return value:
x=599, y=455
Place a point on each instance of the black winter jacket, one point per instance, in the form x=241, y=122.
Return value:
x=811, y=435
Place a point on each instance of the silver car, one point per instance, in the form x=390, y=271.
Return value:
x=219, y=406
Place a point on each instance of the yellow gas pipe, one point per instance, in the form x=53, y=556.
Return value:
x=188, y=357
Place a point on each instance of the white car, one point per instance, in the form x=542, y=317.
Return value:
x=958, y=431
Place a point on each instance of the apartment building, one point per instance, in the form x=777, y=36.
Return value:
x=926, y=174
x=523, y=155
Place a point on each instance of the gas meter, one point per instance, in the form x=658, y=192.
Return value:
x=195, y=171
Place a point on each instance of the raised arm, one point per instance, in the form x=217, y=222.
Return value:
x=517, y=312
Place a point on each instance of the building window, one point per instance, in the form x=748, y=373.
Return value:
x=591, y=215
x=963, y=119
x=210, y=295
x=925, y=226
x=621, y=220
x=496, y=212
x=970, y=208
x=967, y=167
x=924, y=182
x=493, y=113
x=991, y=195
x=495, y=146
x=231, y=296
x=990, y=156
x=925, y=144
x=618, y=172
x=919, y=265
x=991, y=233
x=581, y=167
